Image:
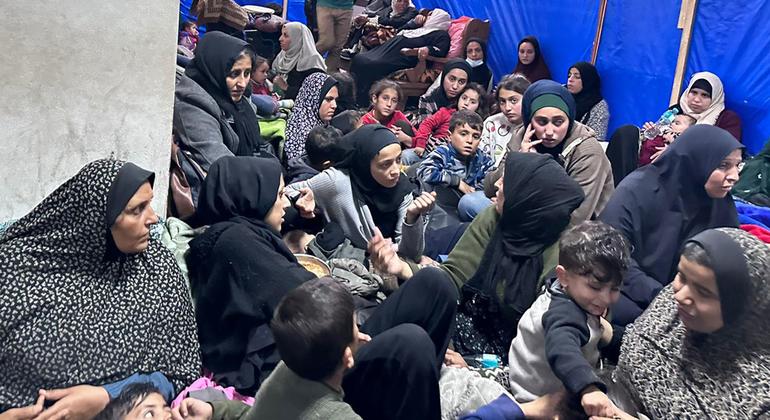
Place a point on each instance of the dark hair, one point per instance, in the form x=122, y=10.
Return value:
x=463, y=117
x=379, y=86
x=690, y=118
x=483, y=109
x=259, y=60
x=346, y=121
x=322, y=144
x=695, y=253
x=131, y=396
x=595, y=248
x=187, y=24
x=516, y=82
x=312, y=326
x=346, y=87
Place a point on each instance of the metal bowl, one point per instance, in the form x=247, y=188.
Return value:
x=314, y=265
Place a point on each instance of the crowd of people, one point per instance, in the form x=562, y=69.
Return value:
x=487, y=224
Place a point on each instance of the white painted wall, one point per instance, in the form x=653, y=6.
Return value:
x=81, y=80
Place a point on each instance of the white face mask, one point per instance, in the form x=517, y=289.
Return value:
x=474, y=63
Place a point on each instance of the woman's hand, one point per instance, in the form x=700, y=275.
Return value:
x=422, y=53
x=384, y=259
x=617, y=415
x=24, y=413
x=648, y=126
x=549, y=406
x=419, y=151
x=420, y=205
x=596, y=403
x=306, y=203
x=192, y=409
x=657, y=154
x=454, y=359
x=527, y=144
x=402, y=137
x=280, y=82
x=465, y=188
x=420, y=19
x=74, y=403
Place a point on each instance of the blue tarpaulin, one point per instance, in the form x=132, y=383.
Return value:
x=638, y=51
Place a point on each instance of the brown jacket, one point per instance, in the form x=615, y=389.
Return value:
x=584, y=161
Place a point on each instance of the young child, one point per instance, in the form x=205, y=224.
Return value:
x=262, y=96
x=347, y=121
x=460, y=164
x=653, y=148
x=316, y=334
x=138, y=401
x=385, y=95
x=558, y=338
x=188, y=36
x=434, y=131
x=322, y=150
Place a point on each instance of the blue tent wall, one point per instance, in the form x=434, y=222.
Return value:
x=733, y=43
x=637, y=59
x=638, y=52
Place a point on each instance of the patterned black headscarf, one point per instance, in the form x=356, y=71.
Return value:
x=70, y=316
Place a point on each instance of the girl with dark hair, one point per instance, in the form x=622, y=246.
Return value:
x=499, y=127
x=385, y=95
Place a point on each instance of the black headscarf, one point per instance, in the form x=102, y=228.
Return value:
x=537, y=69
x=439, y=95
x=730, y=269
x=548, y=87
x=240, y=186
x=539, y=199
x=68, y=315
x=130, y=177
x=480, y=74
x=240, y=269
x=214, y=57
x=363, y=145
x=591, y=93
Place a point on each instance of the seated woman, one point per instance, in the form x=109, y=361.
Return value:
x=315, y=105
x=549, y=110
x=704, y=99
x=702, y=349
x=474, y=53
x=385, y=95
x=658, y=207
x=212, y=117
x=297, y=60
x=396, y=15
x=499, y=128
x=531, y=63
x=591, y=109
x=431, y=39
x=504, y=254
x=454, y=77
x=91, y=301
x=367, y=190
x=240, y=269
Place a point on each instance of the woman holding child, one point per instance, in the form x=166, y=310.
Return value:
x=91, y=301
x=548, y=110
x=658, y=207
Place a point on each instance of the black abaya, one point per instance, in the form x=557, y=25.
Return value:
x=377, y=63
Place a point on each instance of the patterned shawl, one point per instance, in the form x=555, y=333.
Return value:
x=71, y=312
x=304, y=116
x=676, y=373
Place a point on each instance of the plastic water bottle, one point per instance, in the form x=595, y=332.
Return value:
x=486, y=361
x=664, y=121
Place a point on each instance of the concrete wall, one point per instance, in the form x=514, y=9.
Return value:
x=81, y=80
